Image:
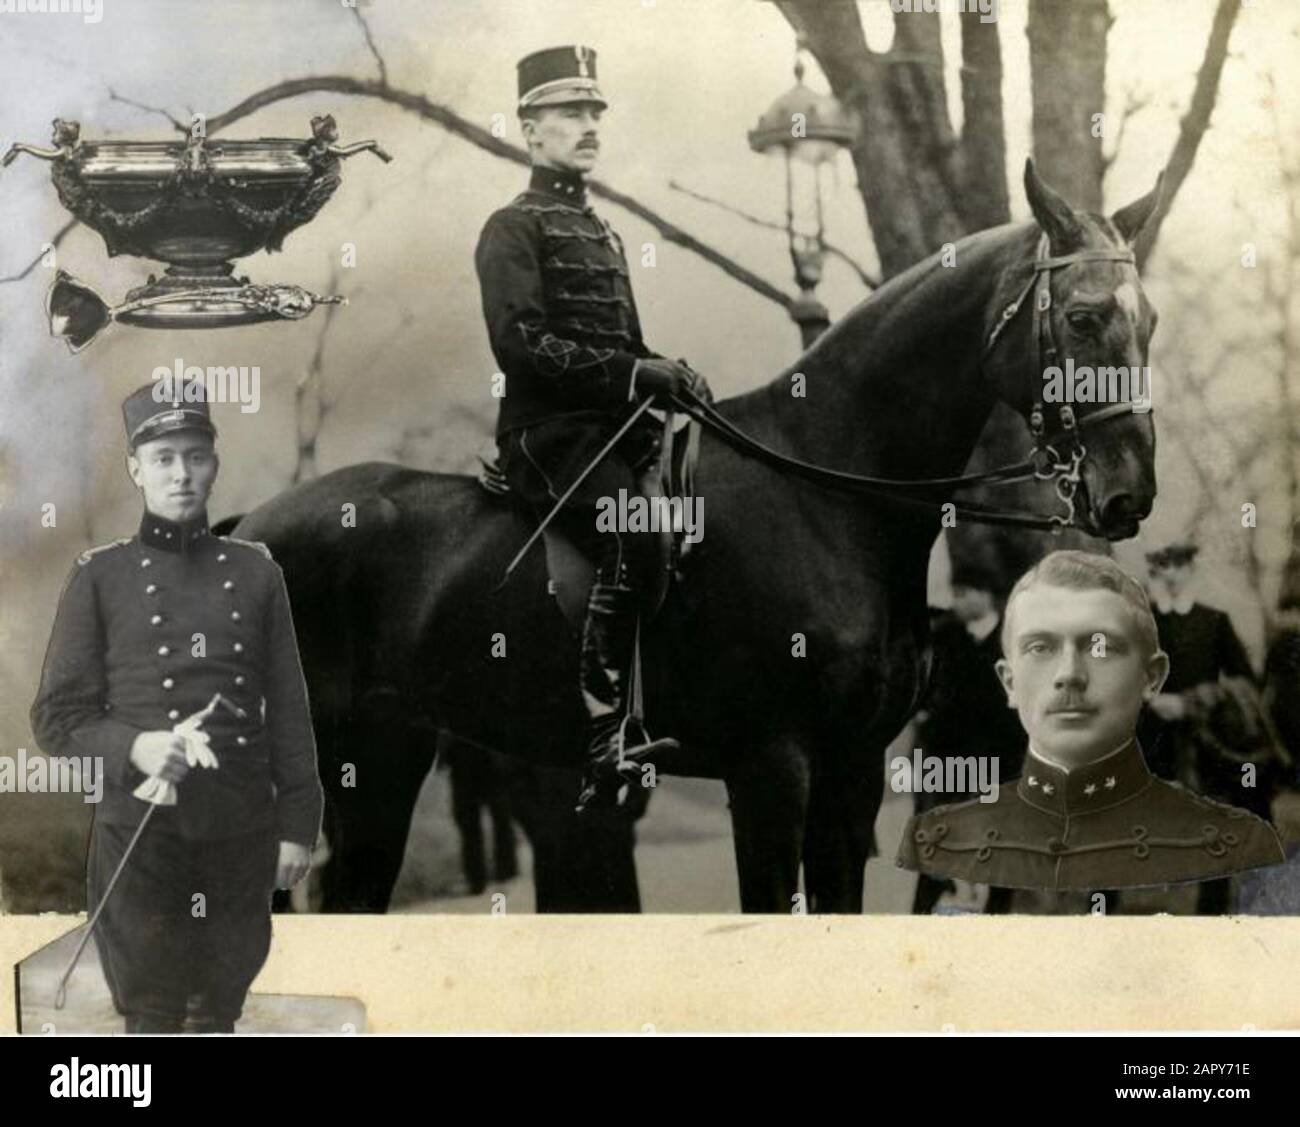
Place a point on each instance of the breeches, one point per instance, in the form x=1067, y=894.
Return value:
x=541, y=462
x=188, y=924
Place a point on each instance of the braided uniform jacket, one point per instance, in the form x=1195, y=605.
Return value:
x=558, y=304
x=1109, y=825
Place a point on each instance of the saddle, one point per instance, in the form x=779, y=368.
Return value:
x=669, y=482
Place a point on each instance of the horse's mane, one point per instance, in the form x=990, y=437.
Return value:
x=986, y=253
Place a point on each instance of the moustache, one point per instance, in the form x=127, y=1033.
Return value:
x=1069, y=704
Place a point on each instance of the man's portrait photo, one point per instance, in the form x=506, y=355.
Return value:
x=1080, y=657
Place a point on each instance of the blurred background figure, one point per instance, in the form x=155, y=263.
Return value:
x=1203, y=650
x=1207, y=729
x=480, y=781
x=964, y=711
x=580, y=863
x=1282, y=669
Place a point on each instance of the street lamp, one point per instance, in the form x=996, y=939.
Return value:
x=810, y=129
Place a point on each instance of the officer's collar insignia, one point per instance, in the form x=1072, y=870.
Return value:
x=1109, y=781
x=562, y=183
x=170, y=535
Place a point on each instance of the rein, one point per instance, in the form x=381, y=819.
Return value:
x=1057, y=456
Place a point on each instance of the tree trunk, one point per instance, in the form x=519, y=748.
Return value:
x=1067, y=66
x=1067, y=62
x=921, y=184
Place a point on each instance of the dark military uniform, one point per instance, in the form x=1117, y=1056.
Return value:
x=558, y=304
x=125, y=656
x=564, y=328
x=1107, y=825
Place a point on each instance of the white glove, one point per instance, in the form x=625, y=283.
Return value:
x=198, y=750
x=198, y=753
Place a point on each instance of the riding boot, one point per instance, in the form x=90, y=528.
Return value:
x=608, y=642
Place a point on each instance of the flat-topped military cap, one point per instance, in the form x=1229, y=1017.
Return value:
x=558, y=76
x=149, y=411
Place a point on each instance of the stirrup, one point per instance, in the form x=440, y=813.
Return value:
x=625, y=771
x=631, y=758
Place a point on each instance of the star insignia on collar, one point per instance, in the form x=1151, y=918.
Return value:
x=1110, y=782
x=1033, y=780
x=1090, y=789
x=1048, y=788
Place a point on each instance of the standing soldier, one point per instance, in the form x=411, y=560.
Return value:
x=565, y=332
x=148, y=632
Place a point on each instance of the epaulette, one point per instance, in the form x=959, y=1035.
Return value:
x=84, y=558
x=255, y=544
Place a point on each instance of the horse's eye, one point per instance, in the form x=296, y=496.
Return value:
x=1082, y=322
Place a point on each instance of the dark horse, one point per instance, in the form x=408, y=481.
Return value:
x=795, y=648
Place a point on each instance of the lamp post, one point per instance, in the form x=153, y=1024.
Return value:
x=809, y=129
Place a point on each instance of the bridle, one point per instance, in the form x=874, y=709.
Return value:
x=1057, y=455
x=1049, y=465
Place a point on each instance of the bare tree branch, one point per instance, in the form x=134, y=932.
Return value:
x=55, y=241
x=867, y=279
x=1134, y=103
x=419, y=105
x=310, y=405
x=1195, y=121
x=114, y=96
x=370, y=42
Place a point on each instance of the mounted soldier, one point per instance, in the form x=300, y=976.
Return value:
x=564, y=329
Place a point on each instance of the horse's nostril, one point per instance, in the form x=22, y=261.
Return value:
x=1122, y=507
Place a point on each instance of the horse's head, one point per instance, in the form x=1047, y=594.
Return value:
x=1082, y=312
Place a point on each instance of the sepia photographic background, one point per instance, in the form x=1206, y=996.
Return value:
x=403, y=372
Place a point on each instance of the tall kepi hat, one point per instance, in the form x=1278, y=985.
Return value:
x=557, y=76
x=157, y=409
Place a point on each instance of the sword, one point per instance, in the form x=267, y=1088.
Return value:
x=537, y=532
x=156, y=800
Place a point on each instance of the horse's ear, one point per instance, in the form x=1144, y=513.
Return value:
x=1056, y=217
x=1131, y=219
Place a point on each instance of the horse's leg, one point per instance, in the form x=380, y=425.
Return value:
x=371, y=806
x=581, y=863
x=769, y=802
x=467, y=778
x=841, y=817
x=505, y=862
